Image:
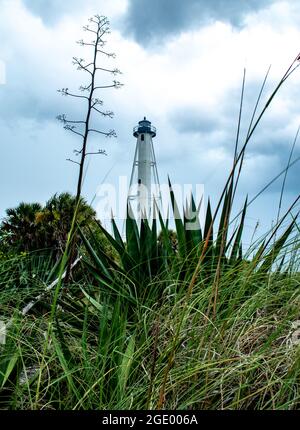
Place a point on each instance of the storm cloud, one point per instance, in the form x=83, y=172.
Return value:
x=153, y=20
x=52, y=10
x=215, y=127
x=191, y=120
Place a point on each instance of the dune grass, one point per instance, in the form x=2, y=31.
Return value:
x=102, y=355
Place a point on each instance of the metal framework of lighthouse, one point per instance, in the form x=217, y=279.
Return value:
x=144, y=192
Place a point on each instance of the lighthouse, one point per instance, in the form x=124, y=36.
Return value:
x=144, y=189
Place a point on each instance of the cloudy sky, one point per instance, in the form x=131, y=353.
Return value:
x=182, y=65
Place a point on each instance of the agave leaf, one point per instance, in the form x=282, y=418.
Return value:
x=145, y=248
x=117, y=235
x=178, y=222
x=281, y=264
x=240, y=256
x=197, y=232
x=221, y=232
x=276, y=248
x=154, y=262
x=165, y=235
x=97, y=274
x=237, y=241
x=167, y=219
x=95, y=304
x=99, y=263
x=192, y=226
x=132, y=236
x=115, y=244
x=54, y=271
x=229, y=242
x=223, y=226
x=127, y=261
x=208, y=232
x=154, y=247
x=116, y=286
x=257, y=257
x=105, y=257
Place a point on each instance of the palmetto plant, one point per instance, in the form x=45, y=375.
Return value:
x=58, y=214
x=32, y=227
x=20, y=227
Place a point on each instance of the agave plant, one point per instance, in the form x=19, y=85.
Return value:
x=146, y=258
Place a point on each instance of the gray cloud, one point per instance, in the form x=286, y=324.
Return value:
x=52, y=10
x=273, y=136
x=191, y=120
x=156, y=19
x=216, y=128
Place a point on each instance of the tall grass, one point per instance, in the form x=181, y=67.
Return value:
x=101, y=355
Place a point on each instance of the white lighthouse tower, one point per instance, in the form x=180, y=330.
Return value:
x=144, y=188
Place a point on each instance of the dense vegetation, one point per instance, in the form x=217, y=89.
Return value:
x=142, y=325
x=33, y=227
